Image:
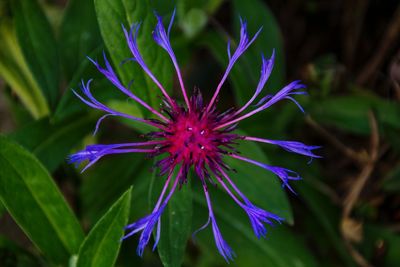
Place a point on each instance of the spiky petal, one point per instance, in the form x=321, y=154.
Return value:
x=266, y=69
x=291, y=146
x=147, y=223
x=223, y=247
x=161, y=37
x=244, y=43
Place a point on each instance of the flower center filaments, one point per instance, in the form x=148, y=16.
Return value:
x=191, y=138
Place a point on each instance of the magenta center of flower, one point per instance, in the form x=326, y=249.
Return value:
x=191, y=138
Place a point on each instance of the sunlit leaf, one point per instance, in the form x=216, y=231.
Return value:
x=15, y=71
x=39, y=47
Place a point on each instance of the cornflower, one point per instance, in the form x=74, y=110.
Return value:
x=193, y=135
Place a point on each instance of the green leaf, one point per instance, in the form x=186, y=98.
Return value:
x=350, y=112
x=281, y=248
x=101, y=246
x=36, y=204
x=51, y=143
x=260, y=186
x=130, y=169
x=110, y=15
x=194, y=21
x=347, y=113
x=97, y=182
x=130, y=109
x=15, y=71
x=69, y=103
x=175, y=221
x=35, y=37
x=209, y=6
x=80, y=34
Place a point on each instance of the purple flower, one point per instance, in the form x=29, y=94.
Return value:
x=194, y=135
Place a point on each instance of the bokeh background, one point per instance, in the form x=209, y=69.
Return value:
x=347, y=208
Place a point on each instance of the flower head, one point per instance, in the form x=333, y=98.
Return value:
x=193, y=135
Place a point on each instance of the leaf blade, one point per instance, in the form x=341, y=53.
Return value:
x=30, y=195
x=51, y=143
x=15, y=71
x=80, y=33
x=38, y=45
x=101, y=246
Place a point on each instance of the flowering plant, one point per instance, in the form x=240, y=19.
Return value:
x=193, y=135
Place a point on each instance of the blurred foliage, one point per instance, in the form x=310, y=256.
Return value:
x=70, y=218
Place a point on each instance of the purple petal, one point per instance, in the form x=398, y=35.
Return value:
x=110, y=74
x=201, y=228
x=99, y=122
x=221, y=244
x=158, y=234
x=146, y=224
x=291, y=146
x=288, y=90
x=266, y=69
x=93, y=153
x=223, y=247
x=258, y=217
x=161, y=37
x=148, y=229
x=131, y=37
x=228, y=49
x=284, y=93
x=284, y=174
x=244, y=43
